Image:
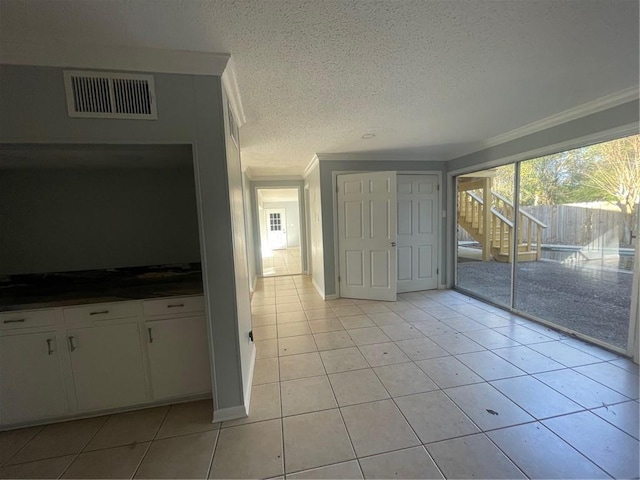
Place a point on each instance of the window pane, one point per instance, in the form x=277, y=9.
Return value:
x=485, y=226
x=575, y=261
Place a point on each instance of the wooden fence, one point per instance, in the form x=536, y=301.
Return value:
x=569, y=225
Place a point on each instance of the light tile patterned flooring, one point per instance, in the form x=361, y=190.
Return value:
x=282, y=262
x=433, y=385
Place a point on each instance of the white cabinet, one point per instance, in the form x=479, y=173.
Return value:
x=31, y=378
x=106, y=361
x=64, y=362
x=178, y=357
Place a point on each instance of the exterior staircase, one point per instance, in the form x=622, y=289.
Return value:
x=495, y=231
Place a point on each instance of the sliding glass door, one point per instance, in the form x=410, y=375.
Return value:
x=571, y=236
x=485, y=225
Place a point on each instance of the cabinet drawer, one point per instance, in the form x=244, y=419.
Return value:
x=27, y=319
x=171, y=306
x=99, y=312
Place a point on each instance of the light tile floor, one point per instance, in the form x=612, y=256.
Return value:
x=433, y=385
x=282, y=262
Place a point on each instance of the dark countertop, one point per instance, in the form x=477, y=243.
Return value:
x=27, y=292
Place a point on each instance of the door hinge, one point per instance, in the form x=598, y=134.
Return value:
x=338, y=279
x=438, y=187
x=251, y=335
x=437, y=271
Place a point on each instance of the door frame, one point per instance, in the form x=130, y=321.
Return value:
x=277, y=184
x=336, y=243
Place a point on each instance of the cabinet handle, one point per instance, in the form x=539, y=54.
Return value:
x=16, y=320
x=49, y=349
x=102, y=312
x=72, y=345
x=175, y=305
x=150, y=335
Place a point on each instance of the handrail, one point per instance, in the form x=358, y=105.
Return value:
x=522, y=212
x=493, y=210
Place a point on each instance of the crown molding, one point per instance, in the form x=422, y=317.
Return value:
x=589, y=108
x=230, y=84
x=86, y=55
x=377, y=157
x=312, y=164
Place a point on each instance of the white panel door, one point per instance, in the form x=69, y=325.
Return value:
x=417, y=232
x=367, y=235
x=276, y=228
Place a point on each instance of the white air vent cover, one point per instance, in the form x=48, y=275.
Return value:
x=110, y=95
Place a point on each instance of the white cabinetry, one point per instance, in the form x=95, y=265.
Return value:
x=31, y=378
x=107, y=366
x=178, y=357
x=63, y=362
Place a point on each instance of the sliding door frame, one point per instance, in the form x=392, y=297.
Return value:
x=452, y=250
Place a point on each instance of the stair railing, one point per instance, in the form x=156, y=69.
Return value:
x=471, y=214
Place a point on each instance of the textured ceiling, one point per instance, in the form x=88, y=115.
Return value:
x=429, y=78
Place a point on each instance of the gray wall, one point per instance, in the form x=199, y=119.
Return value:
x=248, y=221
x=292, y=217
x=54, y=220
x=190, y=111
x=565, y=137
x=327, y=170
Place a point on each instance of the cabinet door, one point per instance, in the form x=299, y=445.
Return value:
x=31, y=379
x=107, y=366
x=178, y=357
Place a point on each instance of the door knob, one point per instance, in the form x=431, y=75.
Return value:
x=393, y=244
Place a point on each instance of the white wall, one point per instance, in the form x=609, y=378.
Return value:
x=312, y=182
x=240, y=261
x=292, y=217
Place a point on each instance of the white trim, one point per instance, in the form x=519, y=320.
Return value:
x=589, y=108
x=86, y=55
x=230, y=85
x=247, y=394
x=230, y=413
x=312, y=164
x=318, y=288
x=333, y=296
x=277, y=178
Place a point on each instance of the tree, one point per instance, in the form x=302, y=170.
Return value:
x=615, y=175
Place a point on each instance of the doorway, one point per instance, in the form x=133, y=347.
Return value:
x=280, y=231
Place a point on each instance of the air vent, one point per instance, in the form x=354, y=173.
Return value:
x=110, y=95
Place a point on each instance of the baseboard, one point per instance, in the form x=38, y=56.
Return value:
x=333, y=296
x=230, y=413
